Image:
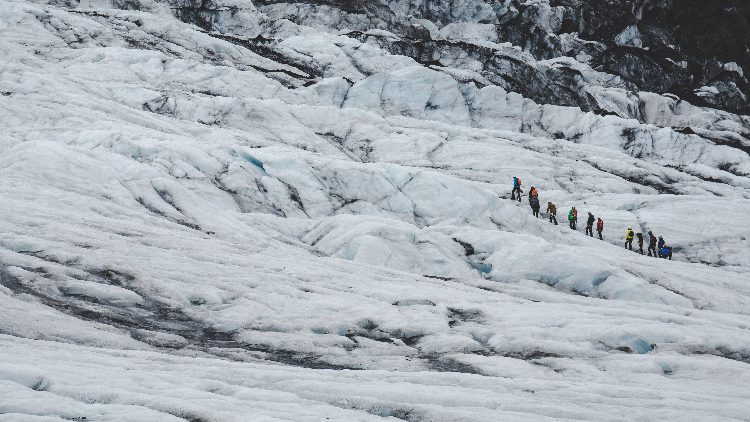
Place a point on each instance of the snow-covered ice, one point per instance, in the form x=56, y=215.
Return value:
x=192, y=230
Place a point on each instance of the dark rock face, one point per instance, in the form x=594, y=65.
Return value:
x=647, y=71
x=703, y=36
x=732, y=92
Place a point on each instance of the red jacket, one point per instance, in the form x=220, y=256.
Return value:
x=600, y=225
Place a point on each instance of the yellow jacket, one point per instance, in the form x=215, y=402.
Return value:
x=629, y=235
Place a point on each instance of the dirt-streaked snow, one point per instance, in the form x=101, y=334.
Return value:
x=185, y=237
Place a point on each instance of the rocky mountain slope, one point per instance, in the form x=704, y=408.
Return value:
x=216, y=211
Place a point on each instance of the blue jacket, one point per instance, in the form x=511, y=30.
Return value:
x=515, y=182
x=661, y=243
x=665, y=250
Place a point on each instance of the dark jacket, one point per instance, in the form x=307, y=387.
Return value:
x=591, y=220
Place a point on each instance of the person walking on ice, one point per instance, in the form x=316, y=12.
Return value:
x=666, y=252
x=573, y=218
x=534, y=202
x=660, y=245
x=590, y=225
x=629, y=239
x=600, y=227
x=651, y=244
x=533, y=193
x=640, y=242
x=516, y=189
x=552, y=210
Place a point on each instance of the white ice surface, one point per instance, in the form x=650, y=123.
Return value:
x=184, y=238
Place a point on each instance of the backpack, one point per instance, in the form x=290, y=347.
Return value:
x=534, y=202
x=575, y=213
x=600, y=225
x=516, y=182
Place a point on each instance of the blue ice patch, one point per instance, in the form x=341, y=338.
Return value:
x=254, y=161
x=482, y=267
x=639, y=346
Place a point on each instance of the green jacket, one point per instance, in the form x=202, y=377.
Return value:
x=573, y=215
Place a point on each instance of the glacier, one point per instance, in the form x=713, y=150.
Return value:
x=235, y=210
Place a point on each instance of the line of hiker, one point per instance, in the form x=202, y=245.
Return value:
x=658, y=247
x=573, y=219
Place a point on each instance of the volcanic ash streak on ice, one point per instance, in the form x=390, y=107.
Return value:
x=302, y=211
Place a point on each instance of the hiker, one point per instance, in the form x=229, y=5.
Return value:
x=533, y=193
x=534, y=202
x=590, y=225
x=640, y=242
x=666, y=252
x=660, y=245
x=600, y=227
x=651, y=243
x=629, y=239
x=552, y=210
x=573, y=218
x=516, y=188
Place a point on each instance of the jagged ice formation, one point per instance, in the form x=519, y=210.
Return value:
x=235, y=210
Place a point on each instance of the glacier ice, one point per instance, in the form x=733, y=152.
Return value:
x=294, y=215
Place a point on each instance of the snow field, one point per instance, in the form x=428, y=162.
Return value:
x=107, y=385
x=185, y=238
